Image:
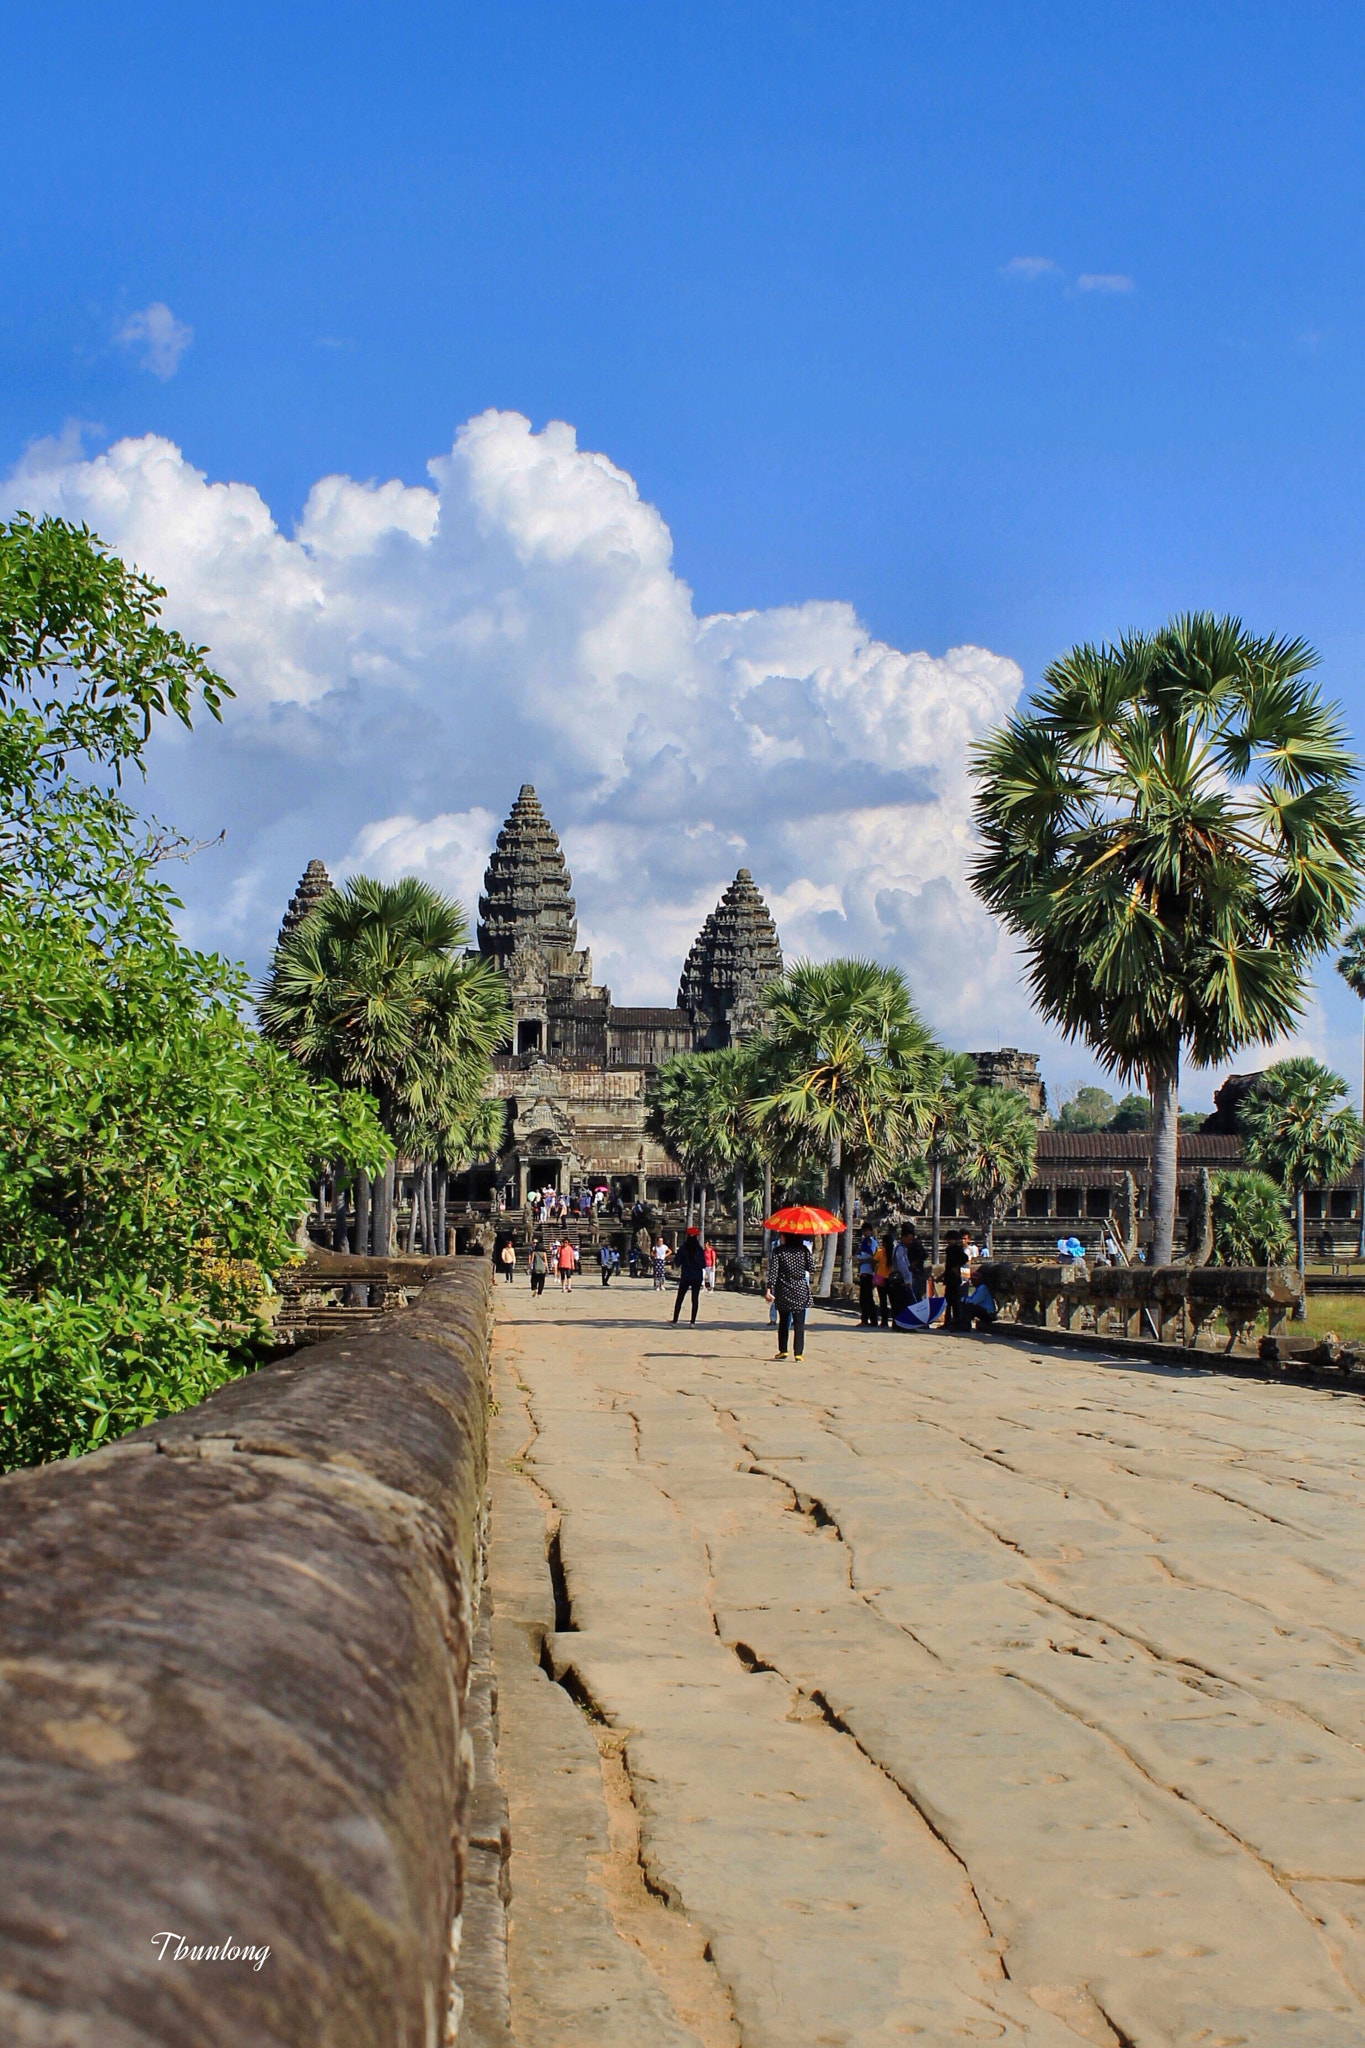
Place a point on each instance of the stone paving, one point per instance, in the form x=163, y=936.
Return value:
x=954, y=1691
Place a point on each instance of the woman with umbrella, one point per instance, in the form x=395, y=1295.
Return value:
x=789, y=1268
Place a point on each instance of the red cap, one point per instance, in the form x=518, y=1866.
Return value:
x=692, y=1230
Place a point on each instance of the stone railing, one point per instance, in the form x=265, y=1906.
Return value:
x=1171, y=1303
x=234, y=1657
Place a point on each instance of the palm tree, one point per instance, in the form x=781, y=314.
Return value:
x=679, y=1114
x=1298, y=1129
x=1249, y=1225
x=374, y=991
x=849, y=1064
x=1351, y=968
x=1171, y=833
x=953, y=1082
x=994, y=1156
x=733, y=1134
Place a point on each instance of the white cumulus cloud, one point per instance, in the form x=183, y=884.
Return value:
x=409, y=655
x=157, y=338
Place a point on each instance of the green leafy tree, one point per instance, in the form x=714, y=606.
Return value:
x=1351, y=968
x=375, y=991
x=994, y=1156
x=1299, y=1128
x=850, y=1066
x=1089, y=1109
x=155, y=1154
x=1250, y=1227
x=940, y=1133
x=1133, y=1113
x=1171, y=833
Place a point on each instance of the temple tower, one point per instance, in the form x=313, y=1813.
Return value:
x=735, y=955
x=528, y=923
x=314, y=884
x=526, y=898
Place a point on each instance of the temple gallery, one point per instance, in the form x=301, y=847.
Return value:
x=576, y=1072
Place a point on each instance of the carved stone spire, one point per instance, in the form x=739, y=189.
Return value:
x=314, y=884
x=735, y=954
x=526, y=898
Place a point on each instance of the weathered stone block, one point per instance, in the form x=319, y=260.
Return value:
x=233, y=1653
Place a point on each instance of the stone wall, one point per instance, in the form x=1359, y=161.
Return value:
x=234, y=1655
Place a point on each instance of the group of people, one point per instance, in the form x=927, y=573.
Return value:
x=896, y=1287
x=562, y=1259
x=896, y=1283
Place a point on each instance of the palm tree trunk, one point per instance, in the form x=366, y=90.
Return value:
x=936, y=1232
x=442, y=1190
x=691, y=1200
x=836, y=1159
x=739, y=1217
x=385, y=1216
x=850, y=1198
x=428, y=1234
x=414, y=1181
x=1164, y=1088
x=1300, y=1314
x=340, y=1219
x=768, y=1208
x=702, y=1192
x=1362, y=1156
x=358, y=1293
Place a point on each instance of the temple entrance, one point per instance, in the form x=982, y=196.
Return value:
x=530, y=1035
x=542, y=1173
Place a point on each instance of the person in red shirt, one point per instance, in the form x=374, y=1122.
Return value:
x=709, y=1275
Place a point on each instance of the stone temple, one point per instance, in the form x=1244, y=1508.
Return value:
x=575, y=1075
x=577, y=1069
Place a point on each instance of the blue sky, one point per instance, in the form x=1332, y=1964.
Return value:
x=767, y=259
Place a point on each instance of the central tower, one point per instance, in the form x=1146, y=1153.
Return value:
x=528, y=923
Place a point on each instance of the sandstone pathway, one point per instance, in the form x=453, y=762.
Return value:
x=936, y=1688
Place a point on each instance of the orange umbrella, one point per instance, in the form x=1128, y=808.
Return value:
x=801, y=1221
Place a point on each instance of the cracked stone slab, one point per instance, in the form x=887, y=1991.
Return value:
x=970, y=1693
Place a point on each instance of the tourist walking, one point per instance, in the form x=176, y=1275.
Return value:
x=540, y=1266
x=507, y=1261
x=867, y=1281
x=660, y=1257
x=691, y=1270
x=789, y=1265
x=567, y=1262
x=709, y=1276
x=610, y=1259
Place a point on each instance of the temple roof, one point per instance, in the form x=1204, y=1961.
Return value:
x=735, y=952
x=526, y=896
x=314, y=884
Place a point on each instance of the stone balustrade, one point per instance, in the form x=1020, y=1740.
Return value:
x=234, y=1662
x=1173, y=1303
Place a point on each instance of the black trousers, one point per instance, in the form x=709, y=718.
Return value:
x=537, y=1283
x=796, y=1319
x=606, y=1275
x=692, y=1287
x=884, y=1304
x=952, y=1314
x=867, y=1301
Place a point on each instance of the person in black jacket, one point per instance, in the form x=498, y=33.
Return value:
x=789, y=1265
x=956, y=1268
x=691, y=1270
